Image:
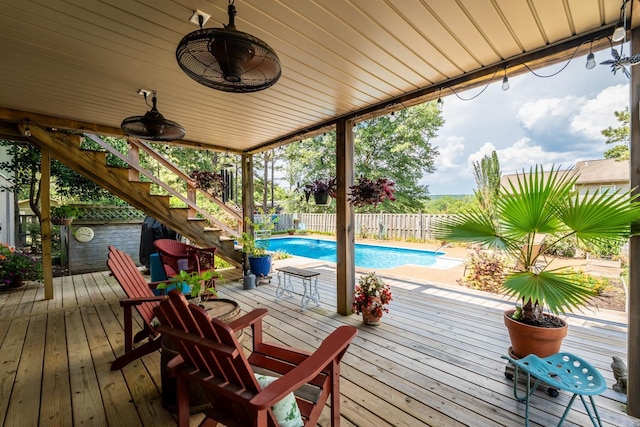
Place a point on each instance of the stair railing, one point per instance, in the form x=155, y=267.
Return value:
x=189, y=200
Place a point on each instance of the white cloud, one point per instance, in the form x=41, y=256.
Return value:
x=548, y=110
x=523, y=155
x=450, y=148
x=485, y=150
x=597, y=114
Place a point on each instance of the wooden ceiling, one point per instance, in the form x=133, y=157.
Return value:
x=79, y=63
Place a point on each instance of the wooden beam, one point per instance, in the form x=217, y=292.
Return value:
x=633, y=349
x=345, y=233
x=10, y=115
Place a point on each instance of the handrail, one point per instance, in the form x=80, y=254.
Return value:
x=161, y=183
x=190, y=182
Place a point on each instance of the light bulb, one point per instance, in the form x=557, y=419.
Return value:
x=27, y=132
x=440, y=104
x=619, y=33
x=591, y=61
x=505, y=83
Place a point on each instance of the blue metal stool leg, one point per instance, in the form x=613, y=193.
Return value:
x=525, y=398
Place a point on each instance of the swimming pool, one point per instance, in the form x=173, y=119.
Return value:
x=367, y=256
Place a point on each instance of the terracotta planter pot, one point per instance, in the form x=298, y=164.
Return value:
x=368, y=317
x=526, y=339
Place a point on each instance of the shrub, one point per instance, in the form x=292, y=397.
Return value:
x=486, y=271
x=566, y=248
x=597, y=284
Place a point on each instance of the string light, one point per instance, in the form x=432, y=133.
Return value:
x=591, y=60
x=440, y=102
x=505, y=80
x=620, y=32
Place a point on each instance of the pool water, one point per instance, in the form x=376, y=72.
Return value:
x=367, y=256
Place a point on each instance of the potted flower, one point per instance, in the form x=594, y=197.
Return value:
x=212, y=182
x=371, y=298
x=17, y=266
x=543, y=204
x=63, y=214
x=322, y=190
x=368, y=192
x=291, y=231
x=259, y=258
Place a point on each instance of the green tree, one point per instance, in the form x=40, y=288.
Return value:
x=395, y=146
x=487, y=175
x=619, y=136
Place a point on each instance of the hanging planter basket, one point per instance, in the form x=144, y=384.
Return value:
x=322, y=198
x=61, y=221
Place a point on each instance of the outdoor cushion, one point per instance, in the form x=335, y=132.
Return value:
x=286, y=411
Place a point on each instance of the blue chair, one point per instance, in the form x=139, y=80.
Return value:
x=563, y=371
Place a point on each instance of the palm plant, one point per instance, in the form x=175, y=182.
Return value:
x=537, y=204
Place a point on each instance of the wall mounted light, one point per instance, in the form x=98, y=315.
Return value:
x=505, y=80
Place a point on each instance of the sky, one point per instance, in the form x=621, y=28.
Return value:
x=547, y=121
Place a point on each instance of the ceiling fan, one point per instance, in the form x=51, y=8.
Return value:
x=227, y=59
x=152, y=126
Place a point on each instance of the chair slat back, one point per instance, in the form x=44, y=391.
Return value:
x=208, y=345
x=132, y=281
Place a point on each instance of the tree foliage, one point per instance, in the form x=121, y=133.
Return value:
x=618, y=136
x=397, y=147
x=487, y=175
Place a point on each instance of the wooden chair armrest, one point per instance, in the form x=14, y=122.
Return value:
x=154, y=285
x=139, y=300
x=329, y=352
x=248, y=319
x=174, y=365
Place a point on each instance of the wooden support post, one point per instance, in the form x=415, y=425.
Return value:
x=247, y=196
x=633, y=349
x=345, y=233
x=45, y=224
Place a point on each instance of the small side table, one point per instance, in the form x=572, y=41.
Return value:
x=309, y=281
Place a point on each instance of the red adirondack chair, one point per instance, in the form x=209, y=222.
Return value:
x=177, y=256
x=211, y=356
x=141, y=297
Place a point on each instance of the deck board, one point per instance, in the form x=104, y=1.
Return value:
x=435, y=360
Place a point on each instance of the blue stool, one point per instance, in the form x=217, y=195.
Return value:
x=563, y=371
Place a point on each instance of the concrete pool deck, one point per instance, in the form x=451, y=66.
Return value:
x=451, y=276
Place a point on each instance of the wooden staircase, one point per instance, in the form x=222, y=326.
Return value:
x=117, y=180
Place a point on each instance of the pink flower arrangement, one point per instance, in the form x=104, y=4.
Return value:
x=369, y=287
x=15, y=264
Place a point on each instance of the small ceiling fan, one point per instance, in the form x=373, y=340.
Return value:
x=152, y=126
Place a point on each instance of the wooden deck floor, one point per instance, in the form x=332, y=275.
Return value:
x=435, y=360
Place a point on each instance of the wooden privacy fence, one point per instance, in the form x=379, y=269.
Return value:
x=381, y=226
